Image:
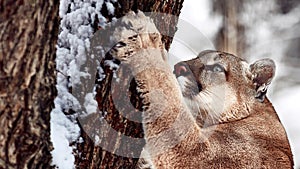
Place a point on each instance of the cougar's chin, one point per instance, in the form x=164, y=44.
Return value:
x=189, y=88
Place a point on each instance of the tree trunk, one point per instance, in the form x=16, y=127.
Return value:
x=92, y=155
x=230, y=37
x=28, y=34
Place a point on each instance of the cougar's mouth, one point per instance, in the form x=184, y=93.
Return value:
x=189, y=88
x=187, y=81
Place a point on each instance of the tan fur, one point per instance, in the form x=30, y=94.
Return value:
x=243, y=133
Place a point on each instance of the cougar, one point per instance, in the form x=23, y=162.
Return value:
x=210, y=112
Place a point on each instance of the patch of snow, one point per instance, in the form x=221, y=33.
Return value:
x=112, y=65
x=76, y=29
x=104, y=114
x=100, y=73
x=80, y=140
x=63, y=131
x=63, y=7
x=65, y=100
x=90, y=103
x=110, y=8
x=97, y=139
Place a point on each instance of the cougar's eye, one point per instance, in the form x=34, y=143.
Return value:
x=217, y=68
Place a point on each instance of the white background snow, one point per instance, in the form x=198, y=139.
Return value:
x=263, y=35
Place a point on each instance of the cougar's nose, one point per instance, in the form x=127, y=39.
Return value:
x=181, y=69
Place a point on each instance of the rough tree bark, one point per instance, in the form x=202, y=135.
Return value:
x=88, y=154
x=28, y=34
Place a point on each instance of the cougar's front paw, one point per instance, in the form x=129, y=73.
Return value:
x=126, y=48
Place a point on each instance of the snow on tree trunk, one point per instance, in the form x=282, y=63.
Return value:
x=28, y=34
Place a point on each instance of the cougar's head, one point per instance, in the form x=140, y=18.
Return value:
x=219, y=87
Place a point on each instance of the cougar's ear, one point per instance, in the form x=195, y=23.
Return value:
x=262, y=72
